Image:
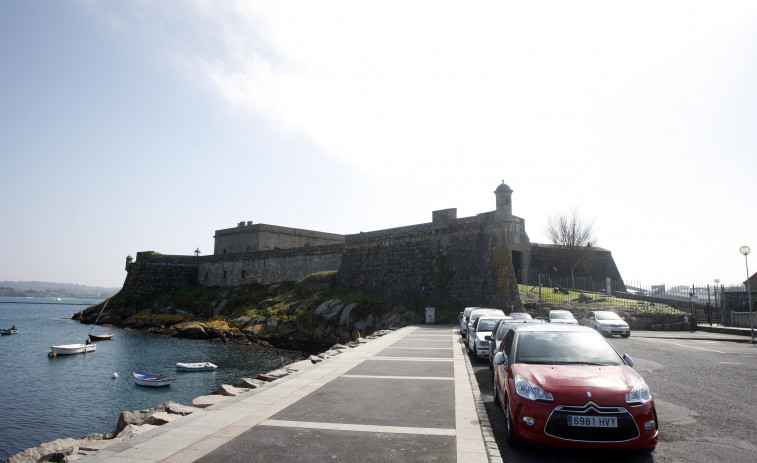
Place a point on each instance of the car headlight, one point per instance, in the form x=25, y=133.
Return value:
x=524, y=387
x=640, y=394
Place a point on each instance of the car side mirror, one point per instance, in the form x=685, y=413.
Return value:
x=488, y=338
x=499, y=358
x=629, y=361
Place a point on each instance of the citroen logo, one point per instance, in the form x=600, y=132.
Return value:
x=588, y=394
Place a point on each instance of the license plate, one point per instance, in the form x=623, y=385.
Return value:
x=593, y=421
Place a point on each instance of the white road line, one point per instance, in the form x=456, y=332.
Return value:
x=437, y=378
x=684, y=345
x=359, y=427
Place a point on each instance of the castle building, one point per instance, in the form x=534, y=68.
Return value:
x=477, y=261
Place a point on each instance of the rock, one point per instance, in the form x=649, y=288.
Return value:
x=229, y=390
x=135, y=418
x=179, y=409
x=161, y=418
x=315, y=359
x=58, y=448
x=88, y=446
x=345, y=317
x=132, y=430
x=205, y=401
x=329, y=309
x=339, y=347
x=273, y=375
x=297, y=366
x=248, y=383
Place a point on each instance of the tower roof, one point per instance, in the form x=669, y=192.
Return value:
x=503, y=188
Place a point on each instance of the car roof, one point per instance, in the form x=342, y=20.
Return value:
x=559, y=311
x=549, y=327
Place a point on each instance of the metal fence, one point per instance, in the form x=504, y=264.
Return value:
x=707, y=303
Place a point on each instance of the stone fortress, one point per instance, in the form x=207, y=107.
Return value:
x=476, y=261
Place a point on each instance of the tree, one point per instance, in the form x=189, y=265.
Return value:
x=573, y=239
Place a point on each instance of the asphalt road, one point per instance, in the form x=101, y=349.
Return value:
x=705, y=390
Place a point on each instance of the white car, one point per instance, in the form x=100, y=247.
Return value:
x=478, y=345
x=562, y=316
x=607, y=323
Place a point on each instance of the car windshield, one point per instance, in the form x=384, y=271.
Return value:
x=607, y=316
x=486, y=324
x=565, y=348
x=560, y=315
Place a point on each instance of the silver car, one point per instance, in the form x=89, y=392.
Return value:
x=562, y=316
x=478, y=345
x=463, y=318
x=607, y=323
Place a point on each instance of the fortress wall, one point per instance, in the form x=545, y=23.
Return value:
x=266, y=267
x=153, y=273
x=249, y=237
x=465, y=260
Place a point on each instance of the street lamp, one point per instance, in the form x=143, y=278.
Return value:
x=717, y=280
x=746, y=250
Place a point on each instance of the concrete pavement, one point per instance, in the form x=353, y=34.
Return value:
x=407, y=396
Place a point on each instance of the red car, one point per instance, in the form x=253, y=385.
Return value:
x=565, y=385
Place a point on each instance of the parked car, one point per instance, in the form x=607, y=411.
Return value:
x=463, y=318
x=562, y=316
x=477, y=343
x=495, y=338
x=479, y=312
x=607, y=323
x=522, y=315
x=566, y=385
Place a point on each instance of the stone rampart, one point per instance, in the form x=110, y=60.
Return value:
x=153, y=273
x=465, y=260
x=267, y=267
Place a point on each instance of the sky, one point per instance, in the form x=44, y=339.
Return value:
x=146, y=125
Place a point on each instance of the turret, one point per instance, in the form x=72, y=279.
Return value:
x=129, y=260
x=504, y=212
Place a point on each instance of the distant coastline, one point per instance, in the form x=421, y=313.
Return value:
x=46, y=289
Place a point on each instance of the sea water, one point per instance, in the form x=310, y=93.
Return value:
x=43, y=398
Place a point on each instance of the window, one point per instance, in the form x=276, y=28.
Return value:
x=243, y=273
x=224, y=274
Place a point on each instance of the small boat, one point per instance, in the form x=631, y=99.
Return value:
x=197, y=366
x=100, y=337
x=11, y=330
x=144, y=379
x=69, y=349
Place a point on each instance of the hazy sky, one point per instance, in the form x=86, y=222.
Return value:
x=148, y=125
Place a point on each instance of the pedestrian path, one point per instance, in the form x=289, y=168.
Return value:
x=406, y=396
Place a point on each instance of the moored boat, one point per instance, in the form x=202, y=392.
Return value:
x=69, y=349
x=11, y=330
x=196, y=366
x=145, y=379
x=101, y=337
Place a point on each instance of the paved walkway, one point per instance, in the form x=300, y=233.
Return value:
x=405, y=396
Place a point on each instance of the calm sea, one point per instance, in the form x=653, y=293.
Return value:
x=44, y=398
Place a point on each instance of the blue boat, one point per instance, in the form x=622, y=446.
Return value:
x=144, y=379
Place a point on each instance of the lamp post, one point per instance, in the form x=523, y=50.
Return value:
x=746, y=250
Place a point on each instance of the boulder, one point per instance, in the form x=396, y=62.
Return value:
x=314, y=359
x=49, y=451
x=132, y=430
x=229, y=390
x=329, y=309
x=161, y=418
x=248, y=383
x=297, y=366
x=179, y=409
x=205, y=401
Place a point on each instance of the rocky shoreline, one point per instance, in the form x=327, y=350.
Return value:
x=132, y=423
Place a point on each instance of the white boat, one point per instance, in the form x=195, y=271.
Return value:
x=145, y=379
x=197, y=366
x=68, y=349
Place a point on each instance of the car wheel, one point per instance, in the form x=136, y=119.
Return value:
x=625, y=335
x=512, y=439
x=474, y=353
x=494, y=387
